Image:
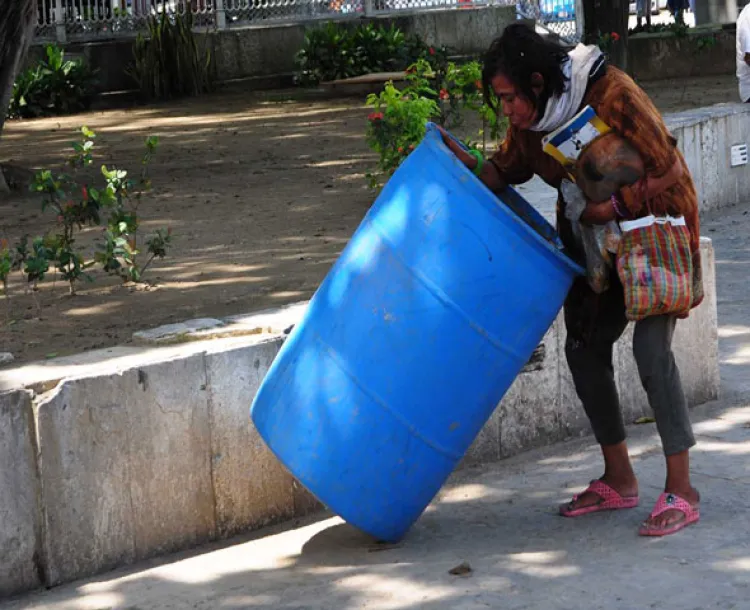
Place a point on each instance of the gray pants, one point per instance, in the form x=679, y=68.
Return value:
x=594, y=323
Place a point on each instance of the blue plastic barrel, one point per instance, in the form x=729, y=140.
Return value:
x=407, y=347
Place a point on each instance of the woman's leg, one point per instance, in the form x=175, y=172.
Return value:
x=652, y=347
x=594, y=323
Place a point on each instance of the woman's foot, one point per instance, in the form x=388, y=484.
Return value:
x=615, y=493
x=665, y=520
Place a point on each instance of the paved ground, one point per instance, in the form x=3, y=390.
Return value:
x=501, y=520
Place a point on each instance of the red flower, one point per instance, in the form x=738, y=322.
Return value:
x=444, y=94
x=432, y=51
x=615, y=36
x=401, y=149
x=85, y=193
x=375, y=116
x=478, y=84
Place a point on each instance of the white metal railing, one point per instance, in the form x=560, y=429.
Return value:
x=60, y=20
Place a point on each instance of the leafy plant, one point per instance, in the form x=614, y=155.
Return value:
x=54, y=86
x=608, y=40
x=680, y=30
x=77, y=205
x=704, y=43
x=74, y=208
x=37, y=262
x=119, y=253
x=441, y=92
x=169, y=63
x=336, y=51
x=327, y=54
x=6, y=265
x=396, y=126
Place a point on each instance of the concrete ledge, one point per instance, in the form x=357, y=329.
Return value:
x=705, y=136
x=21, y=566
x=157, y=458
x=153, y=450
x=705, y=51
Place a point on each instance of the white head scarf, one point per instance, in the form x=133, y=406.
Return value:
x=561, y=108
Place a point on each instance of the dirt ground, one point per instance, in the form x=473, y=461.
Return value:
x=261, y=194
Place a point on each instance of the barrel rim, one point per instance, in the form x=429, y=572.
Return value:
x=434, y=136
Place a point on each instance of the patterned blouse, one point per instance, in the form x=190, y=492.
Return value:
x=626, y=108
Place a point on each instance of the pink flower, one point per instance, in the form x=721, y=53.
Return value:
x=432, y=51
x=615, y=36
x=375, y=116
x=444, y=94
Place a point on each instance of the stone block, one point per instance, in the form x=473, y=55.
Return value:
x=84, y=431
x=529, y=414
x=662, y=55
x=125, y=467
x=705, y=137
x=178, y=332
x=251, y=486
x=696, y=339
x=171, y=457
x=21, y=564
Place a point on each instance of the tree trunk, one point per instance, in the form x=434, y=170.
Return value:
x=608, y=17
x=17, y=22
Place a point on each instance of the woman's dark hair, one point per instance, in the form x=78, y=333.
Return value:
x=518, y=53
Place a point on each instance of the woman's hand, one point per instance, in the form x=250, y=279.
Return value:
x=490, y=174
x=457, y=150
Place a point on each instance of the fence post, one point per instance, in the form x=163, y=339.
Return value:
x=579, y=19
x=369, y=9
x=221, y=14
x=60, y=22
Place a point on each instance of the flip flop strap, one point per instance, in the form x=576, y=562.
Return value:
x=601, y=489
x=668, y=501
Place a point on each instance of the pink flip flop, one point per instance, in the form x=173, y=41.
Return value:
x=610, y=500
x=667, y=502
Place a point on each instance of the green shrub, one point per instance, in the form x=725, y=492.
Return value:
x=169, y=63
x=443, y=93
x=680, y=30
x=334, y=51
x=54, y=86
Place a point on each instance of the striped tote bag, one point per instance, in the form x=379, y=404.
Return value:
x=655, y=266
